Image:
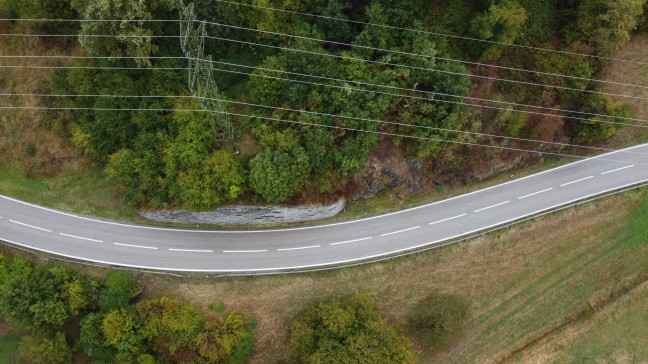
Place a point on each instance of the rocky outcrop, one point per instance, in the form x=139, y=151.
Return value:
x=247, y=215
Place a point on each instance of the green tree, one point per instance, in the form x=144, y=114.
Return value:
x=120, y=288
x=43, y=350
x=92, y=339
x=502, y=23
x=281, y=169
x=133, y=37
x=34, y=300
x=605, y=25
x=348, y=331
x=220, y=178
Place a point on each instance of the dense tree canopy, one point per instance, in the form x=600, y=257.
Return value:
x=348, y=331
x=333, y=89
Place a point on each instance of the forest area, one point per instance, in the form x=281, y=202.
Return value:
x=307, y=93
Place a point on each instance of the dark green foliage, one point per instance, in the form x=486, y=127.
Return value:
x=439, y=319
x=43, y=350
x=502, y=23
x=596, y=127
x=43, y=298
x=92, y=339
x=281, y=169
x=604, y=25
x=120, y=288
x=347, y=331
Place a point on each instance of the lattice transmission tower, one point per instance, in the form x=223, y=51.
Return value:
x=201, y=81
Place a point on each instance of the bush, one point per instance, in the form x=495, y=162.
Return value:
x=43, y=350
x=439, y=318
x=348, y=331
x=120, y=288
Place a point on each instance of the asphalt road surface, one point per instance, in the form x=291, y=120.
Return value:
x=113, y=243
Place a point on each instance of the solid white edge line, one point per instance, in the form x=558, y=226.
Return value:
x=299, y=248
x=618, y=169
x=578, y=180
x=492, y=206
x=31, y=226
x=400, y=231
x=136, y=246
x=535, y=193
x=245, y=251
x=192, y=250
x=81, y=237
x=351, y=241
x=321, y=226
x=321, y=264
x=448, y=219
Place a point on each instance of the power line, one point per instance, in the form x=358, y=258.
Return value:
x=435, y=33
x=31, y=20
x=435, y=57
x=384, y=93
x=433, y=93
x=341, y=80
x=425, y=68
x=423, y=55
x=318, y=125
x=435, y=70
x=431, y=100
x=319, y=114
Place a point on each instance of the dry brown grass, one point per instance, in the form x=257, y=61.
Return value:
x=629, y=73
x=509, y=278
x=20, y=129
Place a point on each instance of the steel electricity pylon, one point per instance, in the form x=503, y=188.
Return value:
x=201, y=81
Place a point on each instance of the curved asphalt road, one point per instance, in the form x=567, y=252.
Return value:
x=279, y=250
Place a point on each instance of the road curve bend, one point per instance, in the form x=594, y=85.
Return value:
x=268, y=251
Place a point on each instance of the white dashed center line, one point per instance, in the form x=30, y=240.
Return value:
x=299, y=248
x=535, y=193
x=192, y=250
x=82, y=238
x=351, y=241
x=31, y=226
x=400, y=231
x=448, y=219
x=490, y=207
x=136, y=246
x=244, y=251
x=618, y=169
x=576, y=181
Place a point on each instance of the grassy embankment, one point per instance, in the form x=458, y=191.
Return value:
x=40, y=166
x=570, y=286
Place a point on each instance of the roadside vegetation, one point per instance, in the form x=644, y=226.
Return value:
x=570, y=286
x=173, y=158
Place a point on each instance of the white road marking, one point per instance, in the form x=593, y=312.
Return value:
x=401, y=231
x=450, y=218
x=245, y=251
x=535, y=193
x=82, y=238
x=136, y=246
x=31, y=226
x=490, y=207
x=578, y=180
x=618, y=169
x=299, y=248
x=351, y=241
x=192, y=250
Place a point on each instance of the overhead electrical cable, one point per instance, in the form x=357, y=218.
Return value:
x=435, y=57
x=323, y=126
x=433, y=93
x=425, y=68
x=389, y=94
x=318, y=114
x=386, y=26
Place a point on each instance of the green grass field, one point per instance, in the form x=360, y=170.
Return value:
x=8, y=347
